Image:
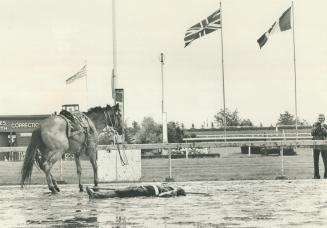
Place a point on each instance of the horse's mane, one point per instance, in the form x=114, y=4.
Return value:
x=113, y=110
x=99, y=108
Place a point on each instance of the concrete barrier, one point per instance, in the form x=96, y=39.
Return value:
x=111, y=168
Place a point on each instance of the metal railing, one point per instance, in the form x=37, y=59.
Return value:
x=250, y=137
x=267, y=143
x=281, y=144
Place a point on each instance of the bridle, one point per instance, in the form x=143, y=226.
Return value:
x=107, y=118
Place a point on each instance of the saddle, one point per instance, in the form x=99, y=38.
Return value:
x=76, y=122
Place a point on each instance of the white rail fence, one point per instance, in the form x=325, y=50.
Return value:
x=168, y=146
x=281, y=144
x=250, y=137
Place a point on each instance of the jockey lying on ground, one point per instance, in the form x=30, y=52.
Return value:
x=136, y=191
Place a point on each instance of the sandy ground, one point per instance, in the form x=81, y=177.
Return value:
x=246, y=195
x=257, y=203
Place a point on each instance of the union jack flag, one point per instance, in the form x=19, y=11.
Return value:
x=206, y=26
x=80, y=74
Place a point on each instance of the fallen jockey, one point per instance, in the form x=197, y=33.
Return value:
x=136, y=191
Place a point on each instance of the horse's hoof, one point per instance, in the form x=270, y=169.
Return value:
x=53, y=191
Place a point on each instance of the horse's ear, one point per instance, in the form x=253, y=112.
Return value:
x=116, y=107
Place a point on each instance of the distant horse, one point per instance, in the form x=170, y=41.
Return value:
x=60, y=133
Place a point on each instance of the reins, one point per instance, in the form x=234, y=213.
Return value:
x=123, y=158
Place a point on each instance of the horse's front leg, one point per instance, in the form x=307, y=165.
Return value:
x=92, y=152
x=79, y=171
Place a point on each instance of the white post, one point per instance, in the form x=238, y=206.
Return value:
x=164, y=128
x=295, y=87
x=282, y=156
x=164, y=114
x=222, y=69
x=249, y=151
x=170, y=176
x=61, y=172
x=282, y=153
x=117, y=165
x=276, y=129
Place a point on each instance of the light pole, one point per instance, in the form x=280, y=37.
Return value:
x=164, y=114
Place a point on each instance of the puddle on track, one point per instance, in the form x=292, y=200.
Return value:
x=292, y=203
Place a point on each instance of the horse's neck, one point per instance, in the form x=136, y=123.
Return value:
x=94, y=122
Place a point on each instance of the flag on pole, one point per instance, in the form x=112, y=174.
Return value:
x=80, y=74
x=281, y=25
x=206, y=26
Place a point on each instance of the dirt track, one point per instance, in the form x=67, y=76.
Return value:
x=257, y=203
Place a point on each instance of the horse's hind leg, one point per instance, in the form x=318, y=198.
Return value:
x=46, y=168
x=92, y=152
x=79, y=171
x=54, y=181
x=54, y=156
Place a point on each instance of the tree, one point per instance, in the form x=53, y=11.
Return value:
x=175, y=133
x=232, y=119
x=304, y=123
x=246, y=122
x=135, y=128
x=150, y=132
x=130, y=132
x=286, y=119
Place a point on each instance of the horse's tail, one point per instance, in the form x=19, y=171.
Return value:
x=29, y=160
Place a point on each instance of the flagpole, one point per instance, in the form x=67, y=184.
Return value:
x=87, y=94
x=114, y=49
x=295, y=84
x=222, y=68
x=164, y=114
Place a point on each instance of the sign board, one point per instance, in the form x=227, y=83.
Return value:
x=110, y=167
x=119, y=94
x=10, y=125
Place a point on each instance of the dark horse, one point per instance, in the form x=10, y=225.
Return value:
x=56, y=135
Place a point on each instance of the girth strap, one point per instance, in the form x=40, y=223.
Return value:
x=70, y=134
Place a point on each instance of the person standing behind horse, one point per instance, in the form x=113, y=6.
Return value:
x=319, y=132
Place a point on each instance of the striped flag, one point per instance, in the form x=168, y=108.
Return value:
x=206, y=26
x=281, y=25
x=80, y=74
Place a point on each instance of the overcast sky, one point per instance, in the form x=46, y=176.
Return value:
x=44, y=42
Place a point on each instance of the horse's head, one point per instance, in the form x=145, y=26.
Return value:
x=104, y=117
